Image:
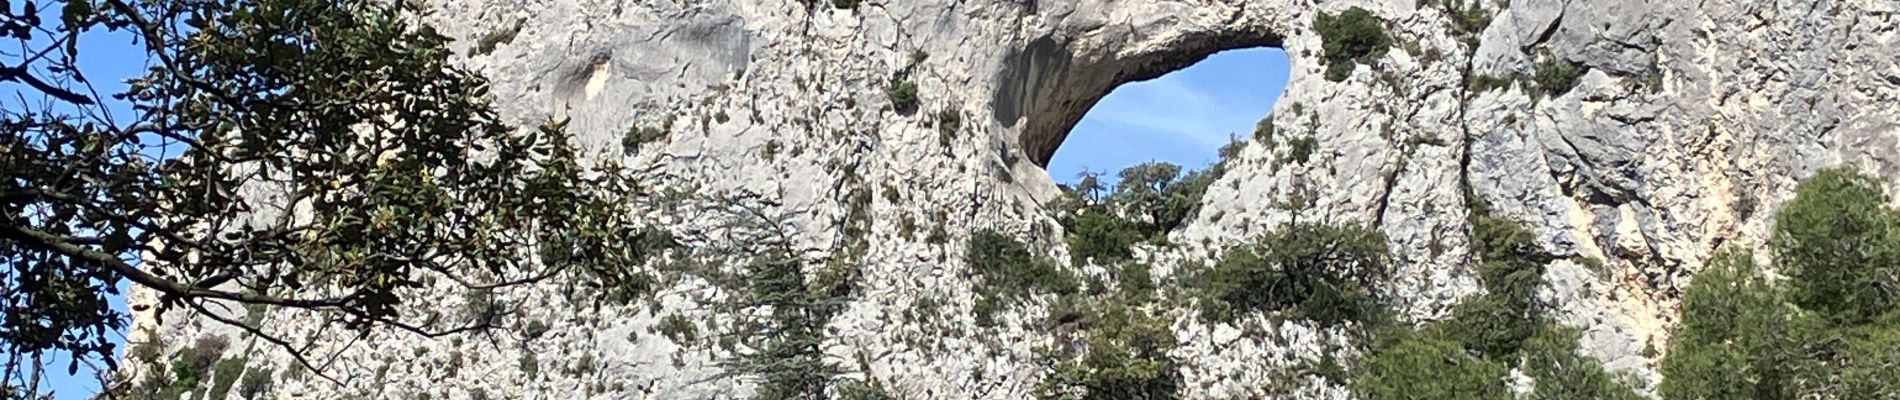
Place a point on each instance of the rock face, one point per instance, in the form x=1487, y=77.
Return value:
x=1689, y=125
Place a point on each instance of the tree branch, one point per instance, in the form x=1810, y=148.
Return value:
x=53, y=243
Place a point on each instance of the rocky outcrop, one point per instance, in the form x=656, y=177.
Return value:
x=1689, y=125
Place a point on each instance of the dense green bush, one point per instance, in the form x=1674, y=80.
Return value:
x=1840, y=247
x=1733, y=337
x=1466, y=356
x=1551, y=360
x=1126, y=357
x=637, y=136
x=677, y=328
x=903, y=95
x=1426, y=368
x=1300, y=150
x=1007, y=271
x=1831, y=332
x=1095, y=233
x=1313, y=271
x=1352, y=36
x=1555, y=76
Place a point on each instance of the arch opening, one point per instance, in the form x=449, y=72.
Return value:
x=1181, y=116
x=1047, y=87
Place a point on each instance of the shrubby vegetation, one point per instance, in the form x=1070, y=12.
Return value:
x=1555, y=76
x=1125, y=351
x=903, y=95
x=1006, y=271
x=1505, y=328
x=1353, y=36
x=1324, y=273
x=1831, y=331
x=1150, y=200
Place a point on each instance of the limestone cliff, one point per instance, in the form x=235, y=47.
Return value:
x=1690, y=123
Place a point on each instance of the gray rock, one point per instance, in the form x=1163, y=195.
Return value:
x=1690, y=113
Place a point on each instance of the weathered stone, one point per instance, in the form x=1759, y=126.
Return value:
x=1691, y=125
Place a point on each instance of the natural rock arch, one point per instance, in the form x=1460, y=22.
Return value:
x=1045, y=87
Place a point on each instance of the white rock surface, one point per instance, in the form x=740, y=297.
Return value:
x=778, y=100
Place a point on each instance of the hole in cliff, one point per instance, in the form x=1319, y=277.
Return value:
x=1182, y=117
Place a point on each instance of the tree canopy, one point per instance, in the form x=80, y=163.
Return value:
x=323, y=155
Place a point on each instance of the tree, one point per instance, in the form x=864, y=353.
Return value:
x=1427, y=368
x=322, y=155
x=1735, y=338
x=1321, y=272
x=1840, y=246
x=1352, y=36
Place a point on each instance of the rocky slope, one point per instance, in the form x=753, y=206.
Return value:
x=1690, y=123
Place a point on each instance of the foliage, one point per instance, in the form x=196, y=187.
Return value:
x=1555, y=76
x=1733, y=336
x=1551, y=360
x=500, y=36
x=1095, y=233
x=192, y=363
x=1006, y=271
x=398, y=168
x=1429, y=369
x=255, y=382
x=1468, y=17
x=1839, y=245
x=1831, y=332
x=949, y=121
x=1314, y=271
x=224, y=376
x=1489, y=334
x=903, y=95
x=864, y=390
x=1300, y=149
x=678, y=329
x=1158, y=196
x=1126, y=357
x=1353, y=36
x=638, y=136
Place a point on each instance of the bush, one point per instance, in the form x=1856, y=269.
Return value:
x=1838, y=244
x=1094, y=233
x=1006, y=271
x=224, y=376
x=1159, y=197
x=1554, y=76
x=1551, y=360
x=192, y=362
x=1427, y=368
x=1736, y=336
x=1831, y=333
x=903, y=95
x=1490, y=326
x=1352, y=36
x=500, y=36
x=254, y=383
x=637, y=136
x=1126, y=358
x=1300, y=149
x=949, y=121
x=1321, y=272
x=678, y=329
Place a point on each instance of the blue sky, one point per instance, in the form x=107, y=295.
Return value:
x=106, y=59
x=1182, y=117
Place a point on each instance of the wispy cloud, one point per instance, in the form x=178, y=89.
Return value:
x=1168, y=106
x=1181, y=117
